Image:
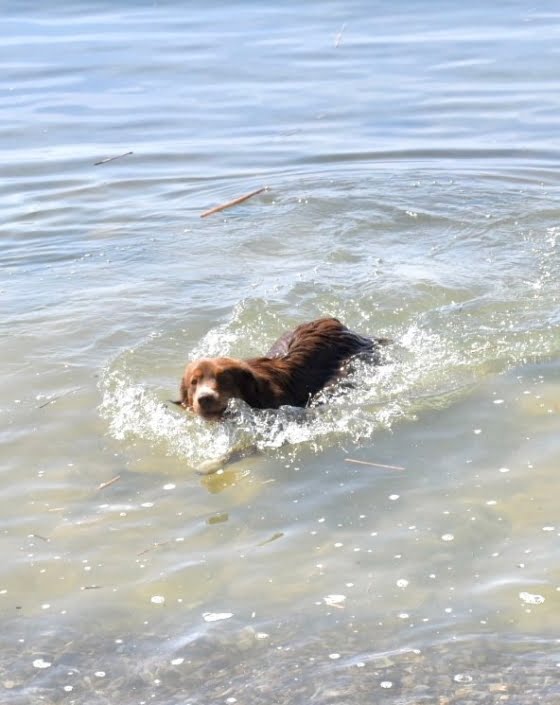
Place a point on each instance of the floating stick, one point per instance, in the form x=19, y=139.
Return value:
x=112, y=159
x=103, y=485
x=235, y=201
x=56, y=398
x=153, y=547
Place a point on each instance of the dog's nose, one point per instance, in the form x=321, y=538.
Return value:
x=207, y=400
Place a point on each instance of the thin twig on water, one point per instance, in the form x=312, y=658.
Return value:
x=274, y=537
x=53, y=399
x=153, y=547
x=234, y=202
x=374, y=465
x=103, y=485
x=50, y=401
x=112, y=159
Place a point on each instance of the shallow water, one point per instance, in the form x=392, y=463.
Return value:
x=411, y=164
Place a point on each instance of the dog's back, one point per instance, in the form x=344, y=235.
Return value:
x=302, y=362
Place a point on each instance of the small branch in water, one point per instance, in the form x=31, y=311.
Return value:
x=53, y=399
x=374, y=465
x=235, y=201
x=103, y=485
x=152, y=548
x=38, y=536
x=50, y=401
x=274, y=537
x=112, y=159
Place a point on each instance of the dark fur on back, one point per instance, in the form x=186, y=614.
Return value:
x=296, y=368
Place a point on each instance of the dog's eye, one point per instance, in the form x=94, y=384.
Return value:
x=194, y=382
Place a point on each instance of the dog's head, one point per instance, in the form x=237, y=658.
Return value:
x=209, y=384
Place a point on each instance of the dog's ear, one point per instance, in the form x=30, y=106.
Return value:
x=184, y=392
x=248, y=386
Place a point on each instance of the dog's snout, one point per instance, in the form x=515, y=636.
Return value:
x=208, y=403
x=207, y=399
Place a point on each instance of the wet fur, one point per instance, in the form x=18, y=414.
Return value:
x=298, y=366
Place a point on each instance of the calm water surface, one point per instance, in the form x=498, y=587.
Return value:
x=412, y=157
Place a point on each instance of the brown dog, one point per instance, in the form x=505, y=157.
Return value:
x=297, y=366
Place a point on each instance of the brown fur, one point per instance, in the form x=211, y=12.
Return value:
x=296, y=368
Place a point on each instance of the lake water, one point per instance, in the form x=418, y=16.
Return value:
x=411, y=156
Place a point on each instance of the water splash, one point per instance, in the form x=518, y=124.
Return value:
x=372, y=397
x=438, y=355
x=135, y=412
